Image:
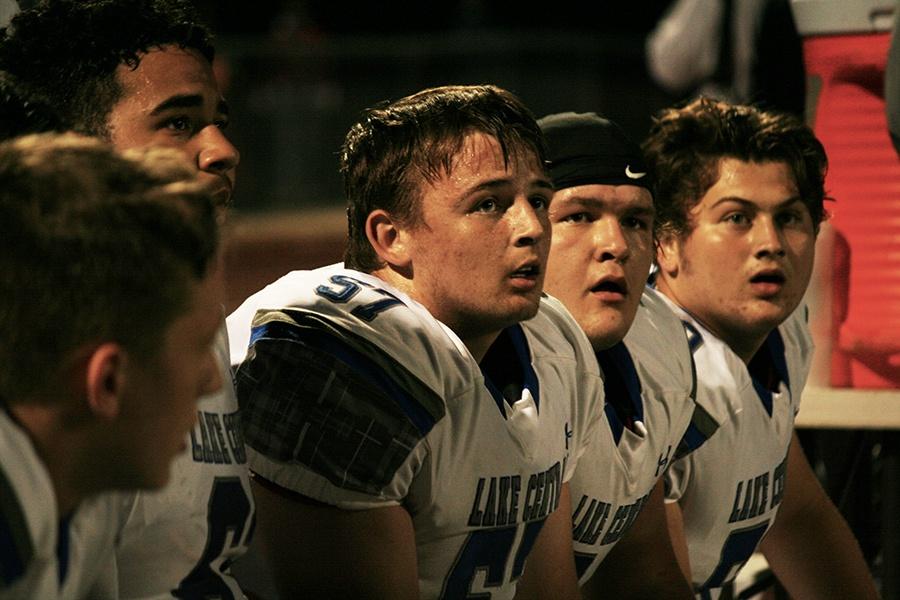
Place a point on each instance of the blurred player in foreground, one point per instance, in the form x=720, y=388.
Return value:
x=138, y=73
x=108, y=289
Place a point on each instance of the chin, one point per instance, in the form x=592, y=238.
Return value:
x=607, y=329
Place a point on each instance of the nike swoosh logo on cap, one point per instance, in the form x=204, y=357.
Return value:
x=631, y=174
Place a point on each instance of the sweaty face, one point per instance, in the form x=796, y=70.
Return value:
x=480, y=251
x=160, y=407
x=172, y=99
x=600, y=256
x=745, y=265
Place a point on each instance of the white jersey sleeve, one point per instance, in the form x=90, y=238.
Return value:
x=730, y=488
x=180, y=541
x=354, y=395
x=649, y=389
x=41, y=555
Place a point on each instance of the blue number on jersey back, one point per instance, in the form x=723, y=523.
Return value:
x=347, y=288
x=229, y=508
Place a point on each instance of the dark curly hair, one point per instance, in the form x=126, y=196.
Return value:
x=67, y=51
x=686, y=144
x=21, y=113
x=397, y=146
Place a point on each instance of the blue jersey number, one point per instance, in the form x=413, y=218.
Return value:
x=347, y=287
x=488, y=551
x=736, y=551
x=227, y=515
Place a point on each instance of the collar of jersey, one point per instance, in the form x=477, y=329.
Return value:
x=523, y=357
x=622, y=383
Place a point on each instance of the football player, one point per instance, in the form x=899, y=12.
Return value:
x=739, y=202
x=413, y=417
x=602, y=217
x=89, y=240
x=139, y=73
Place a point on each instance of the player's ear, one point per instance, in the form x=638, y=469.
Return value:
x=105, y=380
x=388, y=239
x=667, y=253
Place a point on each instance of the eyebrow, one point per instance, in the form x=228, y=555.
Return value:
x=502, y=182
x=749, y=203
x=186, y=101
x=640, y=208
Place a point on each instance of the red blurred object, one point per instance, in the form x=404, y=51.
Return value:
x=847, y=92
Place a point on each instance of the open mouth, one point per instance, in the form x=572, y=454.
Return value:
x=776, y=278
x=611, y=287
x=527, y=272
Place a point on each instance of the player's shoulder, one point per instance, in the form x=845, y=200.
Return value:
x=555, y=331
x=797, y=350
x=795, y=332
x=334, y=307
x=657, y=340
x=722, y=378
x=28, y=519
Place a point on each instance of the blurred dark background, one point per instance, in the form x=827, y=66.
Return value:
x=298, y=73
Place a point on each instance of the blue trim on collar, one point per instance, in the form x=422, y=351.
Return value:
x=620, y=380
x=519, y=341
x=62, y=548
x=774, y=351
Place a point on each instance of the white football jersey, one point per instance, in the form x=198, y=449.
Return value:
x=354, y=395
x=649, y=376
x=730, y=488
x=40, y=555
x=180, y=541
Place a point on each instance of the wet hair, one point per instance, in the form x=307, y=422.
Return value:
x=686, y=146
x=396, y=147
x=67, y=51
x=95, y=246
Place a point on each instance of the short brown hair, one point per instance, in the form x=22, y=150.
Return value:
x=395, y=147
x=95, y=246
x=685, y=147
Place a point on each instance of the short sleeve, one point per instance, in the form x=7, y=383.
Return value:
x=332, y=418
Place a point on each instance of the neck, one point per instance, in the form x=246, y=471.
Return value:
x=477, y=342
x=744, y=348
x=57, y=450
x=743, y=343
x=479, y=345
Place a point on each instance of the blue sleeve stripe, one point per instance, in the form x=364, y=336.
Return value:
x=367, y=368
